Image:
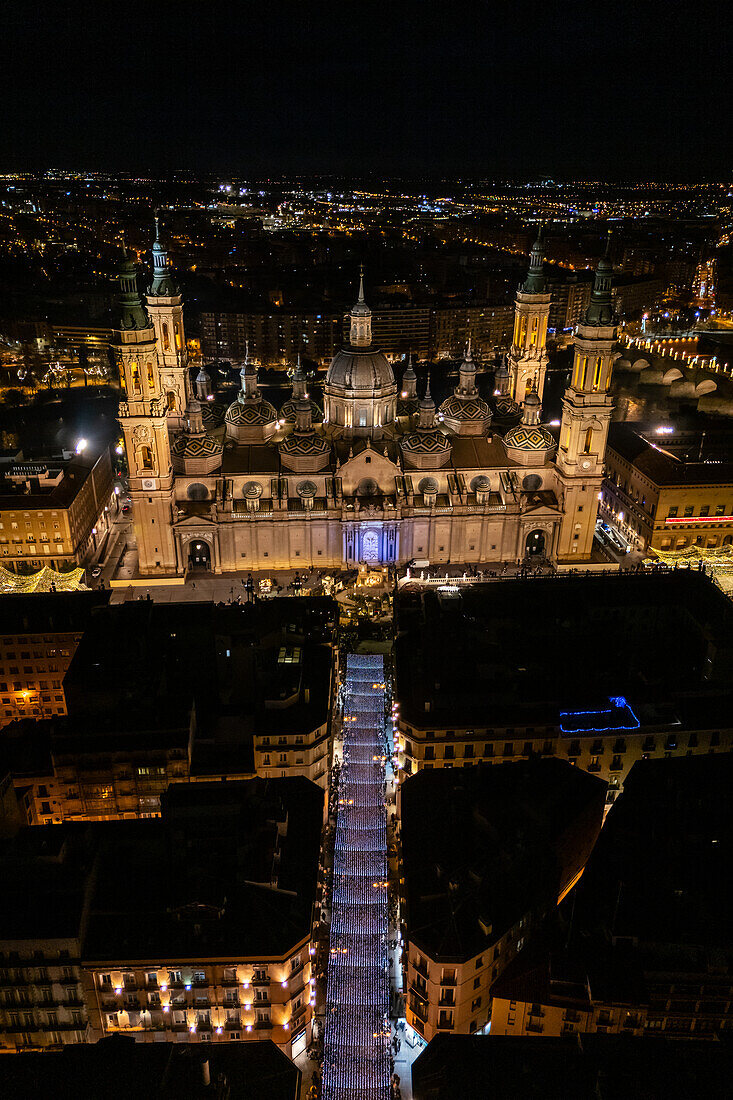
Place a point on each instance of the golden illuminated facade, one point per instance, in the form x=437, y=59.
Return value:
x=528, y=354
x=55, y=512
x=205, y=1000
x=374, y=477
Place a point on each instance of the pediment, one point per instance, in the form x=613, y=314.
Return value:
x=369, y=463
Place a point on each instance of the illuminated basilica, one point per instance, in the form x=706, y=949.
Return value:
x=379, y=474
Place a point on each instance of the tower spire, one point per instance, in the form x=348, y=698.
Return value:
x=133, y=313
x=535, y=281
x=361, y=318
x=600, y=311
x=163, y=284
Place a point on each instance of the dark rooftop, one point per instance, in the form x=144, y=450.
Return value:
x=559, y=652
x=663, y=856
x=667, y=463
x=44, y=872
x=49, y=613
x=118, y=1068
x=226, y=892
x=591, y=1067
x=482, y=846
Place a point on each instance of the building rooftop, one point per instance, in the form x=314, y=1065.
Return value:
x=47, y=482
x=589, y=1067
x=655, y=874
x=484, y=846
x=49, y=612
x=240, y=865
x=44, y=872
x=118, y=1068
x=576, y=655
x=669, y=461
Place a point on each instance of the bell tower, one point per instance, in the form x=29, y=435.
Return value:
x=143, y=419
x=587, y=408
x=528, y=353
x=165, y=307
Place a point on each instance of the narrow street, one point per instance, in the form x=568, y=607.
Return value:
x=356, y=1062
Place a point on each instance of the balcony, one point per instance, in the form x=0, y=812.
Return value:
x=419, y=1009
x=535, y=1027
x=446, y=980
x=447, y=1000
x=421, y=967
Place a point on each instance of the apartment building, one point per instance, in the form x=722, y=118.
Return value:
x=486, y=854
x=54, y=511
x=599, y=671
x=197, y=927
x=220, y=947
x=43, y=912
x=166, y=693
x=638, y=956
x=670, y=491
x=39, y=637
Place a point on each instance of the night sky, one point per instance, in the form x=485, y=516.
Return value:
x=607, y=91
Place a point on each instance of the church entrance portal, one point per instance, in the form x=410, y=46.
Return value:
x=535, y=544
x=199, y=555
x=370, y=546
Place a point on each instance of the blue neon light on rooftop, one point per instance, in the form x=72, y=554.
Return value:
x=619, y=716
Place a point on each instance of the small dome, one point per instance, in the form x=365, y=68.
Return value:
x=357, y=369
x=428, y=485
x=532, y=399
x=529, y=437
x=250, y=413
x=480, y=484
x=505, y=407
x=287, y=412
x=306, y=489
x=252, y=490
x=212, y=414
x=196, y=446
x=430, y=442
x=464, y=409
x=307, y=445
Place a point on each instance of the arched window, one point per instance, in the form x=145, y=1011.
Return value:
x=597, y=373
x=170, y=399
x=522, y=332
x=146, y=458
x=166, y=337
x=151, y=376
x=177, y=335
x=135, y=375
x=584, y=373
x=588, y=441
x=533, y=335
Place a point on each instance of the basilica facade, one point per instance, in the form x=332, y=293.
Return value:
x=379, y=475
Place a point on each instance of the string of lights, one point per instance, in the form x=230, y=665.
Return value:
x=356, y=1055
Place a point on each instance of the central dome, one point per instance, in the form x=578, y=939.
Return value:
x=360, y=369
x=360, y=392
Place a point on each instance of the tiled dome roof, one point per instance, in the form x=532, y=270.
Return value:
x=250, y=413
x=529, y=437
x=196, y=446
x=430, y=442
x=304, y=445
x=465, y=408
x=287, y=412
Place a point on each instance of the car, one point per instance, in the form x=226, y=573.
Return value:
x=126, y=510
